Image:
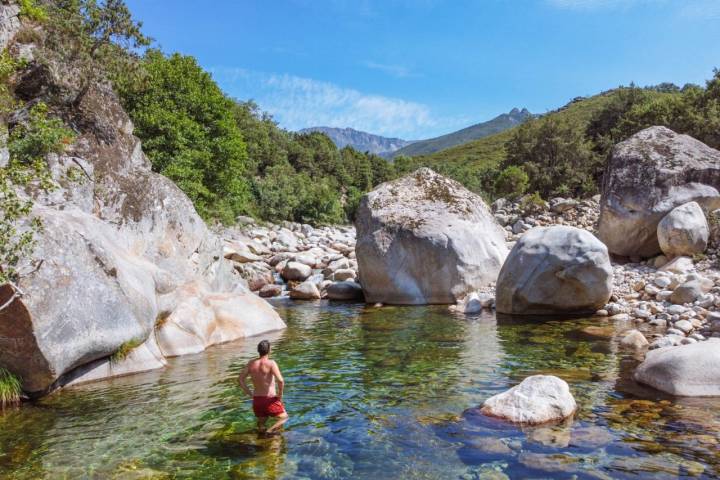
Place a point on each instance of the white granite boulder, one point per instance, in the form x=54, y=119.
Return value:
x=537, y=399
x=687, y=370
x=425, y=239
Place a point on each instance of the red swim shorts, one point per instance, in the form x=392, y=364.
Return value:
x=267, y=407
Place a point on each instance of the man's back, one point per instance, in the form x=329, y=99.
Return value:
x=261, y=371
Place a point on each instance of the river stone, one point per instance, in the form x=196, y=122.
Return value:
x=346, y=290
x=307, y=290
x=647, y=176
x=634, y=339
x=683, y=231
x=557, y=269
x=116, y=250
x=295, y=271
x=687, y=292
x=687, y=370
x=425, y=239
x=537, y=399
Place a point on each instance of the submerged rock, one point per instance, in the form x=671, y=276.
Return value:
x=555, y=270
x=346, y=290
x=647, y=176
x=537, y=399
x=687, y=370
x=425, y=239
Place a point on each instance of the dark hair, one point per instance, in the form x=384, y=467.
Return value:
x=263, y=348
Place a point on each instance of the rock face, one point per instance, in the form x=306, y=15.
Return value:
x=425, y=239
x=683, y=231
x=648, y=175
x=537, y=399
x=688, y=370
x=122, y=251
x=555, y=270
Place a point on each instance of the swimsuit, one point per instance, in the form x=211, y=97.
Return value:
x=268, y=406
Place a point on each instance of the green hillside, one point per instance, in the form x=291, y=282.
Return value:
x=474, y=132
x=491, y=150
x=562, y=152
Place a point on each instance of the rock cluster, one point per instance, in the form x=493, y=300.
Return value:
x=293, y=259
x=520, y=216
x=648, y=175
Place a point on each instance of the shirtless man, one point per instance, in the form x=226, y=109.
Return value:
x=266, y=402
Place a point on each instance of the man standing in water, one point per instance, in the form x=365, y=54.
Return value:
x=266, y=402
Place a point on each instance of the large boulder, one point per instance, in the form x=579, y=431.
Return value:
x=425, y=239
x=647, y=176
x=688, y=370
x=683, y=231
x=121, y=249
x=555, y=269
x=537, y=399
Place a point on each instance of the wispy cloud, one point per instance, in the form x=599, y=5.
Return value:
x=398, y=71
x=298, y=102
x=598, y=4
x=701, y=9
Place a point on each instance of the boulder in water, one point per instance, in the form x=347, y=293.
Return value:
x=537, y=399
x=425, y=239
x=687, y=370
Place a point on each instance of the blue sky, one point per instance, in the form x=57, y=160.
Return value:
x=420, y=68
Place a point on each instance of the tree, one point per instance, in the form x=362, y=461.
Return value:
x=556, y=155
x=96, y=38
x=190, y=134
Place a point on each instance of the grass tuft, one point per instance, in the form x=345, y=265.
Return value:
x=124, y=350
x=10, y=389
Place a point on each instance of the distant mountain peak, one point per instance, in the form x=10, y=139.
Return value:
x=359, y=140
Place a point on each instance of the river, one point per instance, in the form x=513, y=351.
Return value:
x=372, y=393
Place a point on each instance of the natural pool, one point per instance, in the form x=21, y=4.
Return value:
x=373, y=393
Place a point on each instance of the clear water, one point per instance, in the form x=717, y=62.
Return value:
x=372, y=393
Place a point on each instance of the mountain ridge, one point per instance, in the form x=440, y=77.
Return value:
x=474, y=132
x=359, y=140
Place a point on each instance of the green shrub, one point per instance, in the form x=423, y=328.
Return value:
x=532, y=203
x=511, y=182
x=10, y=389
x=30, y=9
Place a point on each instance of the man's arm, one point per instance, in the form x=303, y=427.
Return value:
x=241, y=380
x=279, y=381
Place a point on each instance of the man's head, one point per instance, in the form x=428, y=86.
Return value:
x=263, y=348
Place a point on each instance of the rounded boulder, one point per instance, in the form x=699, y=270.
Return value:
x=557, y=269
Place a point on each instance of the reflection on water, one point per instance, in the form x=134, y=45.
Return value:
x=372, y=393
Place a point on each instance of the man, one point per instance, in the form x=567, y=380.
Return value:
x=265, y=374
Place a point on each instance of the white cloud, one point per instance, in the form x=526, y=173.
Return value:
x=297, y=102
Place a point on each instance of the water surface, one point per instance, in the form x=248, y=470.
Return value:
x=372, y=393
